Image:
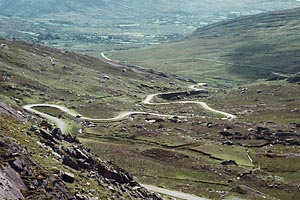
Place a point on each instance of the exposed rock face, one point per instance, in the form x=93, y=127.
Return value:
x=242, y=189
x=17, y=174
x=5, y=109
x=22, y=177
x=11, y=183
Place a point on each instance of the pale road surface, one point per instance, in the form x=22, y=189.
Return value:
x=106, y=58
x=150, y=97
x=58, y=122
x=172, y=193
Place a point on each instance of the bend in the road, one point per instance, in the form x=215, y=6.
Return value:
x=172, y=193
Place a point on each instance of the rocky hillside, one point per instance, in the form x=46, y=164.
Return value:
x=36, y=159
x=41, y=163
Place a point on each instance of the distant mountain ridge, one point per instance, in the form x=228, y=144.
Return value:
x=270, y=40
x=270, y=20
x=245, y=48
x=93, y=26
x=35, y=8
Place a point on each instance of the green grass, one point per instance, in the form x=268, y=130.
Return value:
x=224, y=54
x=225, y=152
x=160, y=173
x=275, y=103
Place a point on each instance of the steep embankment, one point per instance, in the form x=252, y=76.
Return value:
x=243, y=49
x=42, y=163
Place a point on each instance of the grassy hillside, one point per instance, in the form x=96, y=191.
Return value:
x=36, y=74
x=238, y=50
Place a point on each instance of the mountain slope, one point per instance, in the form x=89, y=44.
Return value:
x=93, y=26
x=47, y=164
x=36, y=8
x=246, y=48
x=37, y=74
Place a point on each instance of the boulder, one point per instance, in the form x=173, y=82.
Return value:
x=57, y=134
x=261, y=129
x=229, y=162
x=17, y=165
x=46, y=124
x=226, y=133
x=243, y=189
x=209, y=125
x=46, y=135
x=68, y=177
x=106, y=77
x=33, y=128
x=228, y=142
x=175, y=119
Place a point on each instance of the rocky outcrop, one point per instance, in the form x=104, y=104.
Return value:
x=263, y=133
x=26, y=174
x=22, y=177
x=181, y=95
x=80, y=158
x=7, y=110
x=11, y=183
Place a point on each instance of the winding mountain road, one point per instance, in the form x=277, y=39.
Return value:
x=148, y=101
x=149, y=98
x=60, y=123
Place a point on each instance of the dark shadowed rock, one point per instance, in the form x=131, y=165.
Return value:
x=46, y=124
x=68, y=177
x=229, y=162
x=261, y=129
x=226, y=133
x=33, y=128
x=69, y=162
x=57, y=134
x=46, y=135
